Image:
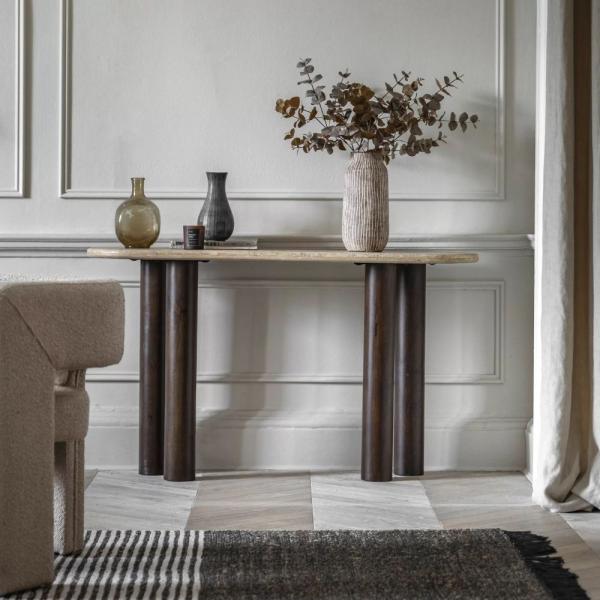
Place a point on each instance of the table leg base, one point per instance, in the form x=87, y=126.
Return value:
x=181, y=317
x=409, y=377
x=393, y=372
x=378, y=369
x=151, y=368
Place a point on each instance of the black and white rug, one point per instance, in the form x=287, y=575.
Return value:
x=303, y=565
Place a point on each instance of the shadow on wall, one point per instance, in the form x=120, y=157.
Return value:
x=247, y=333
x=451, y=159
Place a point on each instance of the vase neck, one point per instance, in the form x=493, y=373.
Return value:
x=137, y=187
x=216, y=183
x=367, y=157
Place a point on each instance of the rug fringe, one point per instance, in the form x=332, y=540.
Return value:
x=536, y=551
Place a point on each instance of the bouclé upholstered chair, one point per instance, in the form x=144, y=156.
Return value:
x=50, y=333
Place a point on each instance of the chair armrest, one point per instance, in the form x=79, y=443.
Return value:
x=78, y=324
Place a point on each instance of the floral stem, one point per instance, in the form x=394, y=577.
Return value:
x=312, y=85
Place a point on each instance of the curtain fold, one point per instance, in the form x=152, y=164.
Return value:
x=566, y=424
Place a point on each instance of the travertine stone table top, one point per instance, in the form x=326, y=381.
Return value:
x=323, y=256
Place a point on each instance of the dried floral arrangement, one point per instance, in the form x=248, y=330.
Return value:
x=352, y=117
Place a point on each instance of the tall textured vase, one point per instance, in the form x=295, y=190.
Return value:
x=216, y=215
x=365, y=216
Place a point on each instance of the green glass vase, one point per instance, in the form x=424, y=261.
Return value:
x=137, y=220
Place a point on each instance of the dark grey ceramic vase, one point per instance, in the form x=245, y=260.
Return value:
x=216, y=215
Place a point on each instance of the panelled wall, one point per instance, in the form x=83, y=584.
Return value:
x=94, y=92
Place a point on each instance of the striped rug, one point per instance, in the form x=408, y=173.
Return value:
x=128, y=564
x=311, y=565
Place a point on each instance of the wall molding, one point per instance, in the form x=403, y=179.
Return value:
x=17, y=190
x=496, y=376
x=69, y=246
x=66, y=190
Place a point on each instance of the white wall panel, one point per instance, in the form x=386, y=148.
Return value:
x=207, y=75
x=11, y=98
x=93, y=92
x=279, y=371
x=308, y=331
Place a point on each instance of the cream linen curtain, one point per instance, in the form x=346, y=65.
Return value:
x=566, y=421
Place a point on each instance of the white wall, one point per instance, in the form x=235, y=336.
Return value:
x=94, y=92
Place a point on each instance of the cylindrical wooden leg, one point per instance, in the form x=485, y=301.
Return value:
x=378, y=372
x=151, y=368
x=181, y=316
x=410, y=371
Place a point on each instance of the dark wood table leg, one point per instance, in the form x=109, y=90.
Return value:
x=151, y=368
x=181, y=321
x=378, y=372
x=409, y=426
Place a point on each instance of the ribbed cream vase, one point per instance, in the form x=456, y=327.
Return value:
x=365, y=214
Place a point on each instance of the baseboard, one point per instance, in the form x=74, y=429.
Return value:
x=528, y=470
x=316, y=442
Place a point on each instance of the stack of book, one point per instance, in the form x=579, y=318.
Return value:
x=237, y=243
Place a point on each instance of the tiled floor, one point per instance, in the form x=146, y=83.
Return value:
x=335, y=500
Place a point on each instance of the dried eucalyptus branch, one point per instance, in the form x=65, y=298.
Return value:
x=353, y=117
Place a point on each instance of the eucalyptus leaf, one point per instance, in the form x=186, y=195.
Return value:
x=352, y=116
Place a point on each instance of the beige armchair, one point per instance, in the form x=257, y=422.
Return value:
x=50, y=332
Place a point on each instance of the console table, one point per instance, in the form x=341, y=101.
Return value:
x=393, y=358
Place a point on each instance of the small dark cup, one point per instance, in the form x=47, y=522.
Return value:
x=193, y=237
